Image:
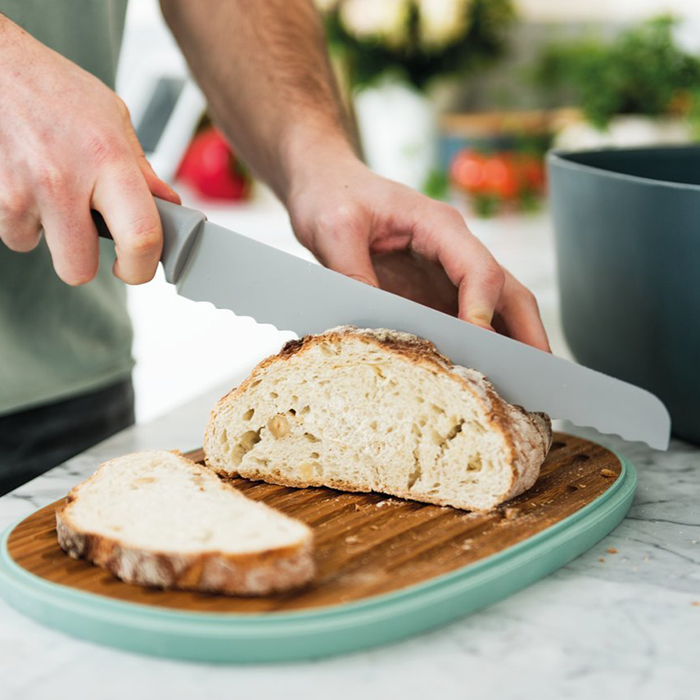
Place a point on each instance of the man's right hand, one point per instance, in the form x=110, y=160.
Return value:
x=67, y=146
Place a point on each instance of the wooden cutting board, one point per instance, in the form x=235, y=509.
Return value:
x=371, y=550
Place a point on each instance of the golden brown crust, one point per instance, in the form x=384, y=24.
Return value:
x=527, y=435
x=256, y=573
x=245, y=573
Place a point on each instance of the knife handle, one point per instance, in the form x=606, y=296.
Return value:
x=181, y=227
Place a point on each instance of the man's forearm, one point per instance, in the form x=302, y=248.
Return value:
x=264, y=69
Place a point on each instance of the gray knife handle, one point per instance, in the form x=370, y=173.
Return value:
x=180, y=229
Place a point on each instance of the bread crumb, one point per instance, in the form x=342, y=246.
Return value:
x=466, y=545
x=695, y=602
x=608, y=473
x=352, y=539
x=511, y=513
x=646, y=558
x=601, y=560
x=612, y=550
x=383, y=503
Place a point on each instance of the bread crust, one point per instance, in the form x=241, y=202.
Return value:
x=247, y=574
x=528, y=435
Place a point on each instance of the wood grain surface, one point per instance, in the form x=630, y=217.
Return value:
x=366, y=544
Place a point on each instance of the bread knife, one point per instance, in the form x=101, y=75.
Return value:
x=210, y=263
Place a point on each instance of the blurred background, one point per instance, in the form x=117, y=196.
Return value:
x=458, y=98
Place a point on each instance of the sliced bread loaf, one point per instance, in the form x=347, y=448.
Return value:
x=377, y=410
x=157, y=519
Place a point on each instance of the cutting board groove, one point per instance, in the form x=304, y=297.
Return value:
x=366, y=544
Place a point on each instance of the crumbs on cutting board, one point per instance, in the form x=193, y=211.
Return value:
x=470, y=515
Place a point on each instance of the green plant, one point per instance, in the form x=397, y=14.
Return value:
x=642, y=71
x=417, y=39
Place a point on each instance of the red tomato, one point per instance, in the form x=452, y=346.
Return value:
x=500, y=177
x=467, y=170
x=210, y=167
x=532, y=173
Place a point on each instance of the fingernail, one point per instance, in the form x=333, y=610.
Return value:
x=364, y=280
x=480, y=317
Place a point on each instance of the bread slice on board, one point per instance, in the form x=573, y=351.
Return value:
x=377, y=410
x=157, y=519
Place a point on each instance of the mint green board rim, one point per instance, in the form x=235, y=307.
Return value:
x=338, y=629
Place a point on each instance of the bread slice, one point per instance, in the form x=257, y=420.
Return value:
x=157, y=519
x=377, y=410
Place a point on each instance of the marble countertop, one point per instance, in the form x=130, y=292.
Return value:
x=617, y=625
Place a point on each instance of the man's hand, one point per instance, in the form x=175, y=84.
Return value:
x=272, y=92
x=390, y=236
x=66, y=146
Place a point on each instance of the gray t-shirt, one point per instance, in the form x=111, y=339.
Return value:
x=55, y=340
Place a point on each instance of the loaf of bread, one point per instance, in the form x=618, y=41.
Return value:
x=157, y=519
x=377, y=410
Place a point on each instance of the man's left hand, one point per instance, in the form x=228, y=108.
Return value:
x=390, y=236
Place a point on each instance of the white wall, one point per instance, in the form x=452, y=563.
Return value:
x=603, y=10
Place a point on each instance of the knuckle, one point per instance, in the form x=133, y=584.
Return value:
x=51, y=178
x=493, y=274
x=121, y=106
x=146, y=238
x=104, y=149
x=14, y=205
x=339, y=220
x=529, y=298
x=451, y=215
x=21, y=242
x=20, y=230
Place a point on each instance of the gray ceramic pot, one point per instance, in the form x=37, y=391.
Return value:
x=627, y=226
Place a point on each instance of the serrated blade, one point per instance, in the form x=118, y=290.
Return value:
x=253, y=279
